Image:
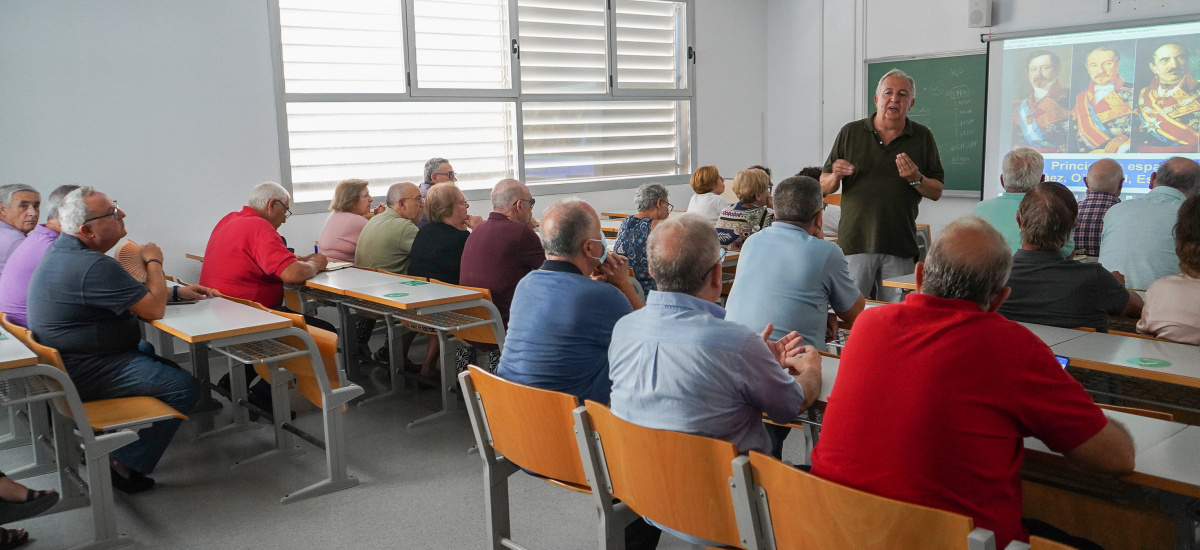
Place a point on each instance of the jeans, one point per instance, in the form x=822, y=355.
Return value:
x=869, y=271
x=148, y=374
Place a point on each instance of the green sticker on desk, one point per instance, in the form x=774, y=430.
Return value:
x=396, y=295
x=1148, y=362
x=414, y=283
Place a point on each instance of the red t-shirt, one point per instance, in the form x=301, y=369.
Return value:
x=245, y=258
x=932, y=400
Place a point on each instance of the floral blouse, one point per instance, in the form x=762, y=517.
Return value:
x=631, y=243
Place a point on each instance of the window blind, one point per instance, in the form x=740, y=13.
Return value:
x=349, y=46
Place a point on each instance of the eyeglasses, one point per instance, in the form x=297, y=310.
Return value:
x=287, y=212
x=531, y=201
x=720, y=258
x=670, y=208
x=420, y=200
x=114, y=214
x=449, y=174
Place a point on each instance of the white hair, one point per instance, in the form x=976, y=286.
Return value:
x=7, y=191
x=897, y=73
x=1022, y=168
x=265, y=192
x=73, y=212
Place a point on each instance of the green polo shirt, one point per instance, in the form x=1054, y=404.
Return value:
x=879, y=208
x=385, y=242
x=1001, y=213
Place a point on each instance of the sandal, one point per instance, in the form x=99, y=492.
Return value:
x=12, y=538
x=35, y=503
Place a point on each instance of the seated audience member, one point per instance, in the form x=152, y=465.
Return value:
x=1172, y=309
x=85, y=305
x=653, y=207
x=437, y=254
x=935, y=395
x=750, y=214
x=1103, y=182
x=1022, y=170
x=503, y=248
x=19, y=204
x=677, y=364
x=247, y=259
x=790, y=277
x=832, y=214
x=562, y=317
x=348, y=213
x=387, y=239
x=562, y=314
x=1137, y=237
x=437, y=170
x=1049, y=289
x=708, y=185
x=14, y=281
x=18, y=502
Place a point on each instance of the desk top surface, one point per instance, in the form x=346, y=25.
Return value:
x=1147, y=432
x=338, y=282
x=908, y=282
x=217, y=318
x=1174, y=459
x=1054, y=335
x=13, y=353
x=412, y=294
x=1138, y=357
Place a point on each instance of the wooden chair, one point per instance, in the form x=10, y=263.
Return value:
x=322, y=385
x=1160, y=415
x=835, y=517
x=679, y=481
x=516, y=427
x=1039, y=543
x=103, y=425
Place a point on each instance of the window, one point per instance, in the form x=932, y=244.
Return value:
x=548, y=91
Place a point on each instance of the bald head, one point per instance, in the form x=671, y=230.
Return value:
x=1180, y=173
x=1105, y=176
x=397, y=192
x=969, y=260
x=567, y=226
x=682, y=252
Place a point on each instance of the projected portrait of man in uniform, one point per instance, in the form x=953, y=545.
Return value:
x=1168, y=106
x=1040, y=119
x=1102, y=112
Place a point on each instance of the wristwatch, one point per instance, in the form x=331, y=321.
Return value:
x=918, y=182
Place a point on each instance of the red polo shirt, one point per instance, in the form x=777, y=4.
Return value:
x=245, y=257
x=932, y=401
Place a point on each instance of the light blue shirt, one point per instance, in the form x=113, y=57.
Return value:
x=677, y=364
x=788, y=277
x=1138, y=237
x=1001, y=213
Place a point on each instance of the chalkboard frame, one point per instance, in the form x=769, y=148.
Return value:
x=869, y=92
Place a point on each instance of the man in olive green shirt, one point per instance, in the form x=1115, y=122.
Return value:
x=887, y=164
x=387, y=239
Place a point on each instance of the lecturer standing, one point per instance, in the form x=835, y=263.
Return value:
x=887, y=164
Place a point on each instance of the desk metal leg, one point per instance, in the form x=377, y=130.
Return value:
x=18, y=435
x=43, y=448
x=449, y=371
x=349, y=347
x=281, y=409
x=199, y=352
x=241, y=417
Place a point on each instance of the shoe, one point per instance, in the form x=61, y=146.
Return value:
x=12, y=538
x=263, y=401
x=382, y=355
x=35, y=503
x=132, y=485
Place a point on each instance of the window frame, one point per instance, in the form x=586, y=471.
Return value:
x=414, y=94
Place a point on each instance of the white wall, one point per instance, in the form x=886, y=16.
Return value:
x=853, y=31
x=169, y=107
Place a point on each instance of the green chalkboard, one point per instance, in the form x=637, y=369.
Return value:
x=951, y=99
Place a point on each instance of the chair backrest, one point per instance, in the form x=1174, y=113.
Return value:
x=1160, y=415
x=302, y=366
x=677, y=480
x=46, y=356
x=531, y=427
x=1136, y=335
x=837, y=517
x=1039, y=543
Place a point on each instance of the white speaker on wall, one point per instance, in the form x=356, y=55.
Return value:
x=979, y=13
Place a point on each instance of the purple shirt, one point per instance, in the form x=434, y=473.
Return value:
x=10, y=237
x=14, y=280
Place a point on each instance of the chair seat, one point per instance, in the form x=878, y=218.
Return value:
x=107, y=414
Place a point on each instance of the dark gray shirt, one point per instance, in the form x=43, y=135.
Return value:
x=79, y=302
x=1048, y=289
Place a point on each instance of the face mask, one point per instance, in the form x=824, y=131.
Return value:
x=604, y=246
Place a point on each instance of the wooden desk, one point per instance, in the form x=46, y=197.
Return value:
x=13, y=353
x=905, y=282
x=1171, y=464
x=412, y=294
x=337, y=282
x=610, y=227
x=216, y=318
x=1136, y=357
x=196, y=257
x=619, y=214
x=1054, y=335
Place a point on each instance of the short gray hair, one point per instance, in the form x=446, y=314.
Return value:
x=56, y=199
x=648, y=195
x=431, y=166
x=1047, y=214
x=440, y=201
x=506, y=192
x=1022, y=168
x=7, y=191
x=798, y=199
x=74, y=211
x=897, y=73
x=265, y=192
x=973, y=266
x=565, y=226
x=1179, y=173
x=681, y=252
x=1105, y=175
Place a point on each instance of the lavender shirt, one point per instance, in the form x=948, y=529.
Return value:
x=10, y=237
x=14, y=280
